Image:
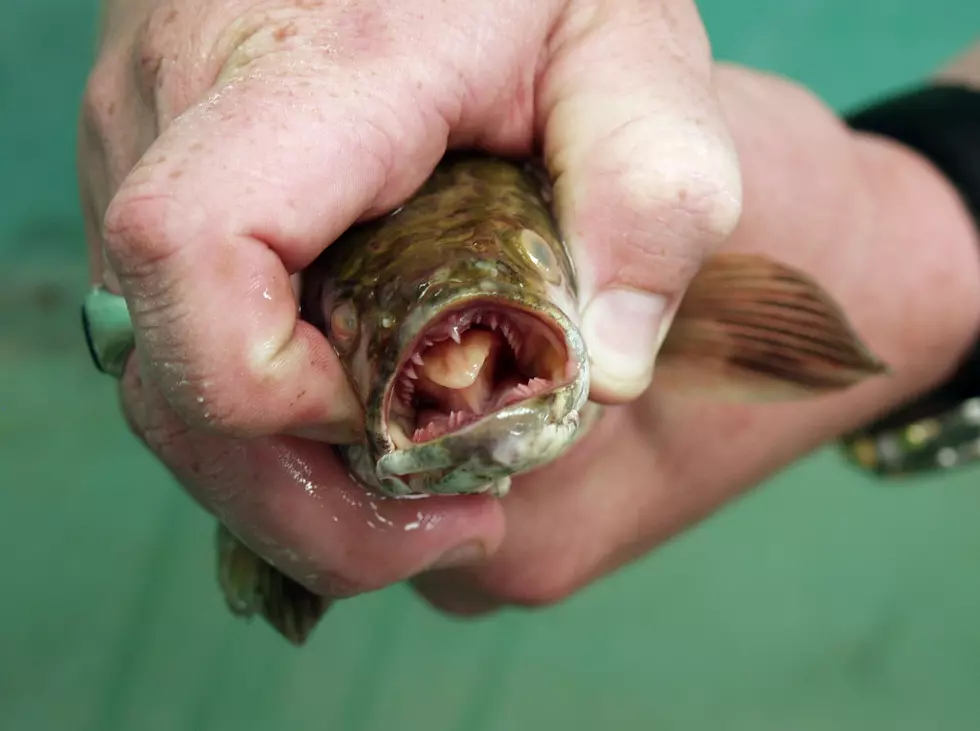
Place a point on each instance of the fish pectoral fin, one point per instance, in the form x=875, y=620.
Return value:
x=253, y=586
x=751, y=329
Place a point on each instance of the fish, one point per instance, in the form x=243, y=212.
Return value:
x=456, y=319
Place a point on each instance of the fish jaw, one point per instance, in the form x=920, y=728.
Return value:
x=522, y=427
x=482, y=457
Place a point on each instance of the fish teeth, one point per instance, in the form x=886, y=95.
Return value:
x=410, y=372
x=454, y=334
x=417, y=359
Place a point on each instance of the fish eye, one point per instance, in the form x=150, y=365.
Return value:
x=343, y=322
x=541, y=253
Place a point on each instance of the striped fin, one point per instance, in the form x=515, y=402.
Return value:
x=752, y=329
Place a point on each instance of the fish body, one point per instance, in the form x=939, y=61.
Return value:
x=456, y=320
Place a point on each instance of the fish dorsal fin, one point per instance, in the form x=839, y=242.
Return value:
x=751, y=329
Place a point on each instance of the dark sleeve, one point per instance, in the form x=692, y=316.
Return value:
x=942, y=123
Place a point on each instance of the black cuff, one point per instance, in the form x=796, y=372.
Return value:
x=942, y=123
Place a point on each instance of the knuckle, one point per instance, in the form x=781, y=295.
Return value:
x=687, y=175
x=155, y=42
x=135, y=231
x=213, y=389
x=661, y=213
x=99, y=98
x=694, y=189
x=167, y=82
x=269, y=29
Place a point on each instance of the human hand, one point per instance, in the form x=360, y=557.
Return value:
x=226, y=149
x=224, y=144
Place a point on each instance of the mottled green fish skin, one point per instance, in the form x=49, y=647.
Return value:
x=479, y=230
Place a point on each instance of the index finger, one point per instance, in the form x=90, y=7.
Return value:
x=234, y=196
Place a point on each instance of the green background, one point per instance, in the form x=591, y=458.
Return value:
x=821, y=602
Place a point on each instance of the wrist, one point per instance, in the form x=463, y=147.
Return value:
x=938, y=123
x=937, y=285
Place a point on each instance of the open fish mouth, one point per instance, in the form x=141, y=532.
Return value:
x=470, y=363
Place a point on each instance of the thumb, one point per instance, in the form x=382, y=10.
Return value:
x=646, y=177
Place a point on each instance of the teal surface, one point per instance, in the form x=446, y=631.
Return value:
x=822, y=602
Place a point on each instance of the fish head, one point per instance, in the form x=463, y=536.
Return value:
x=455, y=317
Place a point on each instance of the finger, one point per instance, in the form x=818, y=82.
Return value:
x=235, y=195
x=646, y=176
x=293, y=504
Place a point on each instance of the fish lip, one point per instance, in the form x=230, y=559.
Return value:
x=562, y=324
x=441, y=454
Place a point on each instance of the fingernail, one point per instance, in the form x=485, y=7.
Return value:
x=468, y=553
x=623, y=330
